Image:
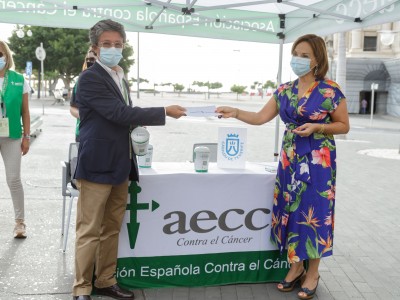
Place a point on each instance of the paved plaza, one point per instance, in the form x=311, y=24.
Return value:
x=365, y=264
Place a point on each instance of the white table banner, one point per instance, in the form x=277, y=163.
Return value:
x=191, y=229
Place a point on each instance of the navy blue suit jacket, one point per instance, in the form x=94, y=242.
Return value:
x=106, y=120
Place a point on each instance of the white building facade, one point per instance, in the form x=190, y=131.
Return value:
x=372, y=60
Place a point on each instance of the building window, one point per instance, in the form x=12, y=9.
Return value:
x=370, y=43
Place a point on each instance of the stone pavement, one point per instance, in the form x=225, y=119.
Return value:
x=365, y=264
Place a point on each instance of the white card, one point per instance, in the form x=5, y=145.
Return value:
x=201, y=111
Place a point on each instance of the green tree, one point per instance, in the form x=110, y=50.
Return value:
x=164, y=84
x=154, y=88
x=238, y=89
x=215, y=86
x=178, y=87
x=269, y=84
x=199, y=83
x=127, y=60
x=209, y=85
x=133, y=80
x=256, y=86
x=65, y=52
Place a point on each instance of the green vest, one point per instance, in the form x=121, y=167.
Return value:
x=13, y=102
x=77, y=120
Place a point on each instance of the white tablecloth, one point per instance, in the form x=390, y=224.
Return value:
x=180, y=217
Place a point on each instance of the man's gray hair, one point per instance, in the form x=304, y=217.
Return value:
x=105, y=25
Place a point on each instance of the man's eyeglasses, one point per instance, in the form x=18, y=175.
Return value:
x=108, y=44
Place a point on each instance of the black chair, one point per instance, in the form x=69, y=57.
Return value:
x=68, y=189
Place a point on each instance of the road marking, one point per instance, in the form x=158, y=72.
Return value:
x=381, y=153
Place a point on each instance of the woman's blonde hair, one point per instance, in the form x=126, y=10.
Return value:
x=8, y=55
x=318, y=47
x=90, y=51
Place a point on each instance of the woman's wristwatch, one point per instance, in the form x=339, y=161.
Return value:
x=27, y=136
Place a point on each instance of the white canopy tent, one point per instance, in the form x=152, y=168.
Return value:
x=263, y=21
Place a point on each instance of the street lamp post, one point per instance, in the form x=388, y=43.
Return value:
x=387, y=38
x=374, y=86
x=40, y=55
x=28, y=68
x=329, y=46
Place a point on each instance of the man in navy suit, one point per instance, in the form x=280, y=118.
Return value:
x=106, y=161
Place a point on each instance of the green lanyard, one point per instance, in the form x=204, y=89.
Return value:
x=3, y=91
x=125, y=95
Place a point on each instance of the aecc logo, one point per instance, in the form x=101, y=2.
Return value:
x=206, y=221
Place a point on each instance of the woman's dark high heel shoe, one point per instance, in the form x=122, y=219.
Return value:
x=309, y=294
x=288, y=286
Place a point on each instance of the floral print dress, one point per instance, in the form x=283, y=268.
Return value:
x=304, y=195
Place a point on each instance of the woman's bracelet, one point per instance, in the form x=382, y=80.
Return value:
x=27, y=137
x=322, y=129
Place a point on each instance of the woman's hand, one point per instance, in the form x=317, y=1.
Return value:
x=25, y=146
x=307, y=129
x=227, y=112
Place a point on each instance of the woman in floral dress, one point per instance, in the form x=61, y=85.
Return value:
x=313, y=109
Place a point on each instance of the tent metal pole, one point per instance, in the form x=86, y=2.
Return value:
x=341, y=62
x=279, y=81
x=234, y=5
x=138, y=78
x=158, y=15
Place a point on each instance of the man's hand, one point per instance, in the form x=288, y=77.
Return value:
x=175, y=111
